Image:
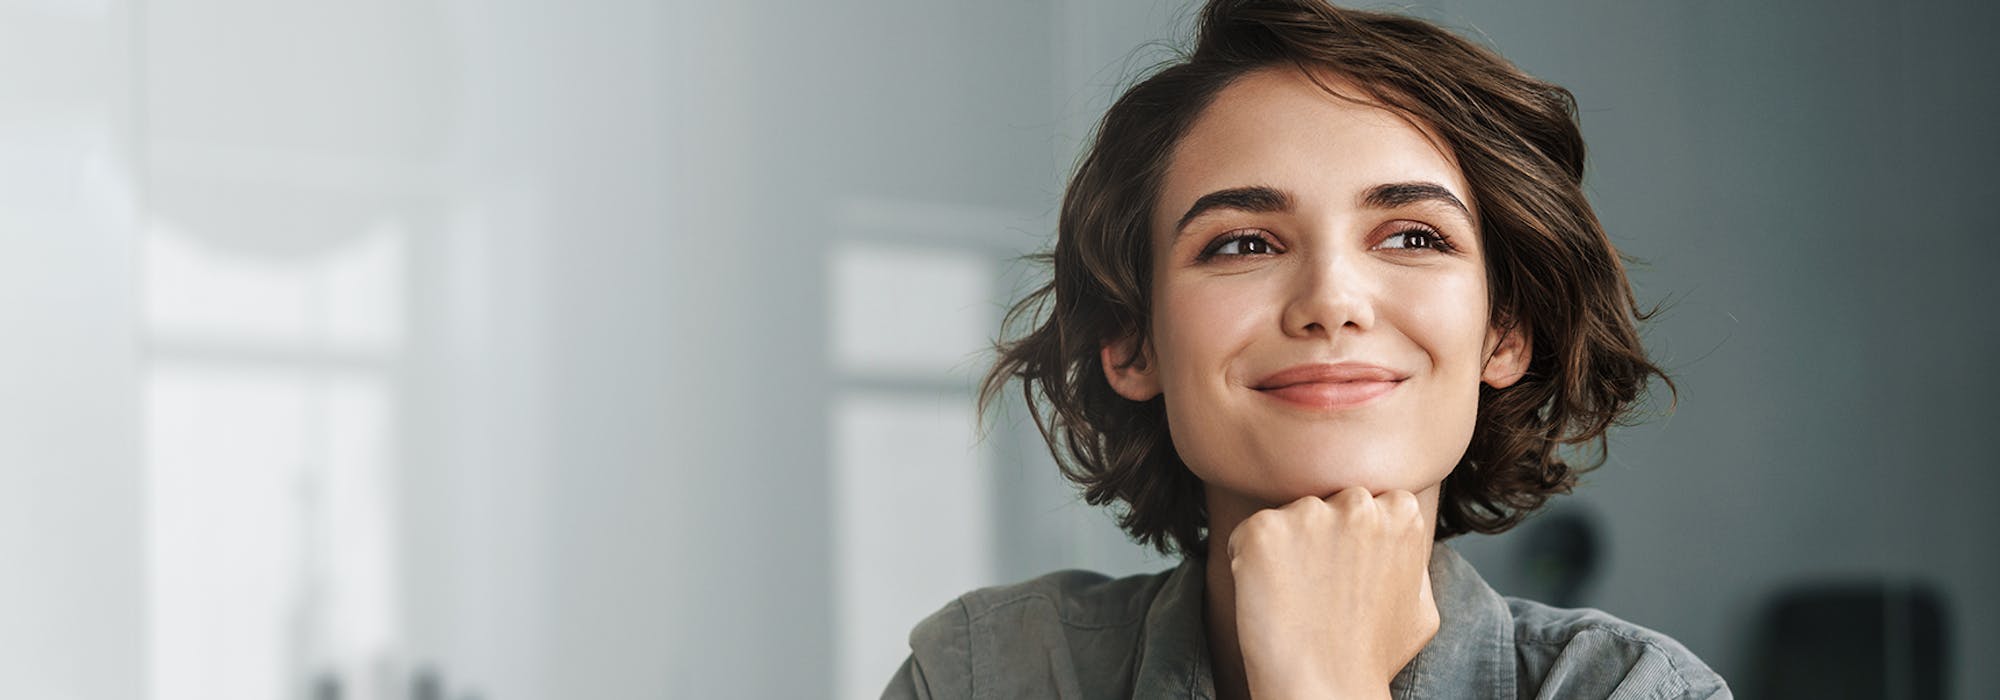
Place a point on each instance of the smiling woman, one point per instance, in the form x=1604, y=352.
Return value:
x=1326, y=293
x=1362, y=265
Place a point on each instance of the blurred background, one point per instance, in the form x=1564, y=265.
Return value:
x=507, y=350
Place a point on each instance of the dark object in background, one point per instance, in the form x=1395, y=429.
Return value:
x=326, y=686
x=426, y=685
x=1558, y=555
x=1870, y=639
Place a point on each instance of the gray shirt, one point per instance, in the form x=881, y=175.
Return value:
x=1076, y=634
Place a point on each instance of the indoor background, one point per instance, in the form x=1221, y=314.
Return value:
x=508, y=350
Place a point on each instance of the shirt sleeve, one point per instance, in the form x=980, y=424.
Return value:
x=1624, y=664
x=1668, y=670
x=908, y=683
x=1711, y=687
x=940, y=661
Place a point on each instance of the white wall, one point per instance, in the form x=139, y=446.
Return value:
x=71, y=616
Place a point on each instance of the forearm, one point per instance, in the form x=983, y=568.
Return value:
x=1309, y=688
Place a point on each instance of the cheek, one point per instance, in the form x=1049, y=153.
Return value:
x=1198, y=324
x=1450, y=323
x=1447, y=316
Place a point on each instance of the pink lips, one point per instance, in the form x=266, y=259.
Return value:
x=1330, y=386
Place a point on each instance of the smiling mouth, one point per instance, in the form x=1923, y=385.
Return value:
x=1328, y=396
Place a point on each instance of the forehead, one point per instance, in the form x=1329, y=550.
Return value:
x=1275, y=127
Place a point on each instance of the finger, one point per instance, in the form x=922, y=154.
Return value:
x=1307, y=504
x=1350, y=498
x=1396, y=495
x=1398, y=505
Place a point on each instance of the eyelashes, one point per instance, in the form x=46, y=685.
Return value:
x=1433, y=238
x=1251, y=242
x=1244, y=238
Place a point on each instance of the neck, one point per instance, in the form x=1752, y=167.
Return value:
x=1225, y=511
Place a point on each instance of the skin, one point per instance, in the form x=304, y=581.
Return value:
x=1320, y=520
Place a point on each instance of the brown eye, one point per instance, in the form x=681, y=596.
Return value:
x=1239, y=244
x=1417, y=238
x=1244, y=246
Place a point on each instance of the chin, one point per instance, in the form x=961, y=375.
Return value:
x=1280, y=466
x=1334, y=473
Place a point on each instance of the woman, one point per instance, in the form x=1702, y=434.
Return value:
x=1326, y=293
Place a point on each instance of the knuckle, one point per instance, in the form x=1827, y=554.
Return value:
x=1315, y=509
x=1256, y=538
x=1399, y=498
x=1401, y=505
x=1352, y=496
x=1252, y=525
x=1305, y=504
x=1260, y=525
x=1243, y=540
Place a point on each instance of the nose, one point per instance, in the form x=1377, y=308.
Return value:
x=1329, y=293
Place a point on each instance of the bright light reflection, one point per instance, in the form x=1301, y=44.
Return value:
x=900, y=460
x=228, y=464
x=271, y=526
x=907, y=312
x=346, y=298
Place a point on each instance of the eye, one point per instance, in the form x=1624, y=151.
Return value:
x=1418, y=237
x=1239, y=243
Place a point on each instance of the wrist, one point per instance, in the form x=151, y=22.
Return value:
x=1319, y=689
x=1374, y=692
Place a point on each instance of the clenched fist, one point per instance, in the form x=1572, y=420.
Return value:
x=1333, y=596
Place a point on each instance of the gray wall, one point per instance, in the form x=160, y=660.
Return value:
x=1806, y=182
x=612, y=468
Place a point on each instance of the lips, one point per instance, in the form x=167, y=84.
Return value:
x=1324, y=373
x=1330, y=386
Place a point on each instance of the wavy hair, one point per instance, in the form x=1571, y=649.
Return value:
x=1550, y=268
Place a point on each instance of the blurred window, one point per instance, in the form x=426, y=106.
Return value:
x=912, y=306
x=271, y=395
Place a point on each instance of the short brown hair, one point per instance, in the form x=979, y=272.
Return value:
x=1550, y=268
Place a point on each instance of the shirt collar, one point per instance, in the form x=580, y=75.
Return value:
x=1472, y=654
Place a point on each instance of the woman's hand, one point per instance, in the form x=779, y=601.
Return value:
x=1333, y=596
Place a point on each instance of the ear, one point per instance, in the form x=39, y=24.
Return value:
x=1508, y=361
x=1138, y=381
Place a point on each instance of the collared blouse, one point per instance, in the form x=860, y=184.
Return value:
x=1076, y=634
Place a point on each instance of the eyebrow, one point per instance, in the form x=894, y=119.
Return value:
x=1402, y=194
x=1256, y=199
x=1260, y=199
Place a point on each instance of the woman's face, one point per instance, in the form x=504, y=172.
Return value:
x=1296, y=231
